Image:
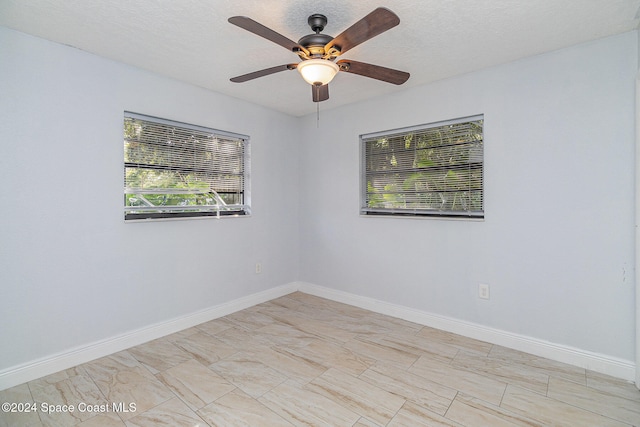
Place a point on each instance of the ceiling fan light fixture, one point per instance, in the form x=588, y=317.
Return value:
x=318, y=71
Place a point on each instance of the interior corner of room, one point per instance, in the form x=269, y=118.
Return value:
x=550, y=270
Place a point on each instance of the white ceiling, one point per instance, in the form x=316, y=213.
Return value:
x=191, y=40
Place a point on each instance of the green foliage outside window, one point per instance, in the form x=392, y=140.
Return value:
x=177, y=170
x=434, y=170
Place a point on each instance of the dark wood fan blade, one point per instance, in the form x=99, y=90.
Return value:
x=320, y=92
x=262, y=73
x=378, y=21
x=373, y=71
x=262, y=31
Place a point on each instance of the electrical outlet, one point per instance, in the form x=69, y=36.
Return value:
x=258, y=268
x=483, y=291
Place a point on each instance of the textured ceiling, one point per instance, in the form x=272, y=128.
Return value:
x=191, y=40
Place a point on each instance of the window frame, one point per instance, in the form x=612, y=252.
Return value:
x=218, y=210
x=422, y=212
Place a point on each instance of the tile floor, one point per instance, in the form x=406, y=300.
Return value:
x=301, y=360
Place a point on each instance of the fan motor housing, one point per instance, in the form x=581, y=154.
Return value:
x=315, y=43
x=311, y=40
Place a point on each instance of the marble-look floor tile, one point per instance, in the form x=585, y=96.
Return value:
x=330, y=311
x=605, y=403
x=283, y=304
x=301, y=360
x=394, y=324
x=19, y=393
x=72, y=392
x=242, y=339
x=346, y=309
x=325, y=313
x=614, y=386
x=357, y=326
x=57, y=377
x=279, y=334
x=470, y=411
x=548, y=367
x=124, y=381
x=363, y=422
x=115, y=362
x=411, y=343
x=204, y=348
x=278, y=313
x=249, y=319
x=551, y=412
x=312, y=301
x=417, y=389
x=13, y=417
x=159, y=355
x=215, y=326
x=357, y=395
x=330, y=354
x=249, y=373
x=107, y=419
x=195, y=384
x=303, y=407
x=172, y=413
x=412, y=415
x=480, y=386
x=516, y=374
x=458, y=341
x=240, y=410
x=294, y=366
x=322, y=329
x=381, y=351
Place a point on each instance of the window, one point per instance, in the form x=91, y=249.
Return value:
x=429, y=170
x=176, y=170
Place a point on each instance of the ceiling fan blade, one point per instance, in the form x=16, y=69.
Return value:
x=262, y=73
x=320, y=92
x=262, y=31
x=377, y=72
x=377, y=22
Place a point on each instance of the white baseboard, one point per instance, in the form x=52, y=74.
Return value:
x=593, y=361
x=619, y=368
x=38, y=368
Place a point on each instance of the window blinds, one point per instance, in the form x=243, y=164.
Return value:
x=427, y=170
x=174, y=169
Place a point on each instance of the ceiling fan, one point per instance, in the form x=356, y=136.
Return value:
x=319, y=51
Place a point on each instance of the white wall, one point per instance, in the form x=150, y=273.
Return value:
x=556, y=245
x=71, y=271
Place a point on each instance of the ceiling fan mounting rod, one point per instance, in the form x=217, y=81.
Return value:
x=317, y=22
